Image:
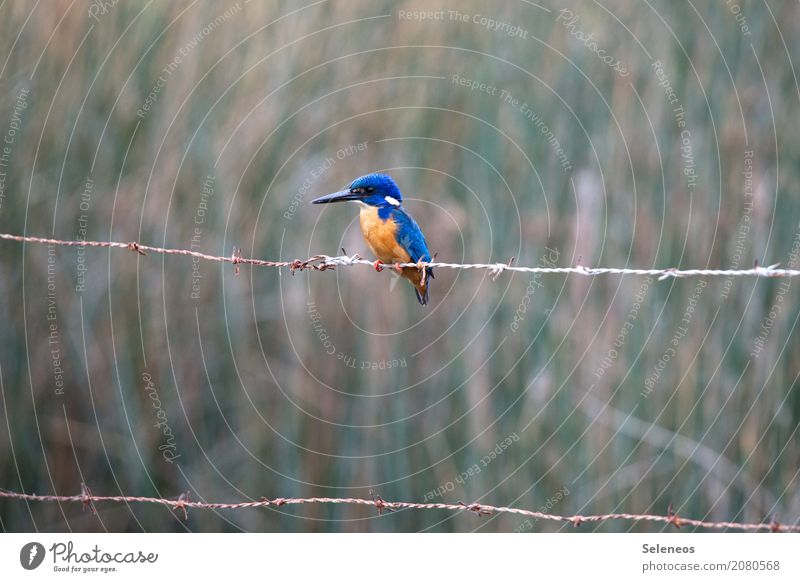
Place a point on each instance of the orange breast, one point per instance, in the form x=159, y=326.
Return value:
x=380, y=236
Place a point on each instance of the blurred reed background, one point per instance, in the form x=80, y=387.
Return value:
x=210, y=125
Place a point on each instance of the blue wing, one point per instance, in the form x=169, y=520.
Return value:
x=410, y=237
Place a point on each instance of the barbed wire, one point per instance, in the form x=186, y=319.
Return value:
x=184, y=503
x=327, y=262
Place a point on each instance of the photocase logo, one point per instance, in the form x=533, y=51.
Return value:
x=31, y=555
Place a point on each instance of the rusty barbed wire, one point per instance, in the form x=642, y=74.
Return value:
x=183, y=503
x=327, y=262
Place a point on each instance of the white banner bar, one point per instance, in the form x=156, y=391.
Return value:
x=386, y=557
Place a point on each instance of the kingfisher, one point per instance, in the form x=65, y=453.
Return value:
x=389, y=230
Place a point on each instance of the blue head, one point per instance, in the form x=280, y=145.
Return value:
x=377, y=190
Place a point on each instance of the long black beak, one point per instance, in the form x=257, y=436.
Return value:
x=341, y=196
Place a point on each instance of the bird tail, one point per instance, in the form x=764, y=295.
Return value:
x=422, y=292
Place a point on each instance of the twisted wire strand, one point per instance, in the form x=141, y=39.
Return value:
x=184, y=503
x=327, y=262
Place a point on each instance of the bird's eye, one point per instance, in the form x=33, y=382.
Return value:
x=370, y=189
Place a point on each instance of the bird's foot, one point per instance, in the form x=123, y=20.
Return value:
x=397, y=267
x=378, y=265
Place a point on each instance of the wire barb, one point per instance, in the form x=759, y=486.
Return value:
x=134, y=246
x=673, y=517
x=380, y=504
x=236, y=258
x=476, y=508
x=183, y=499
x=774, y=524
x=86, y=498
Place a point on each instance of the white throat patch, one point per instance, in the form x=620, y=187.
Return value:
x=392, y=201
